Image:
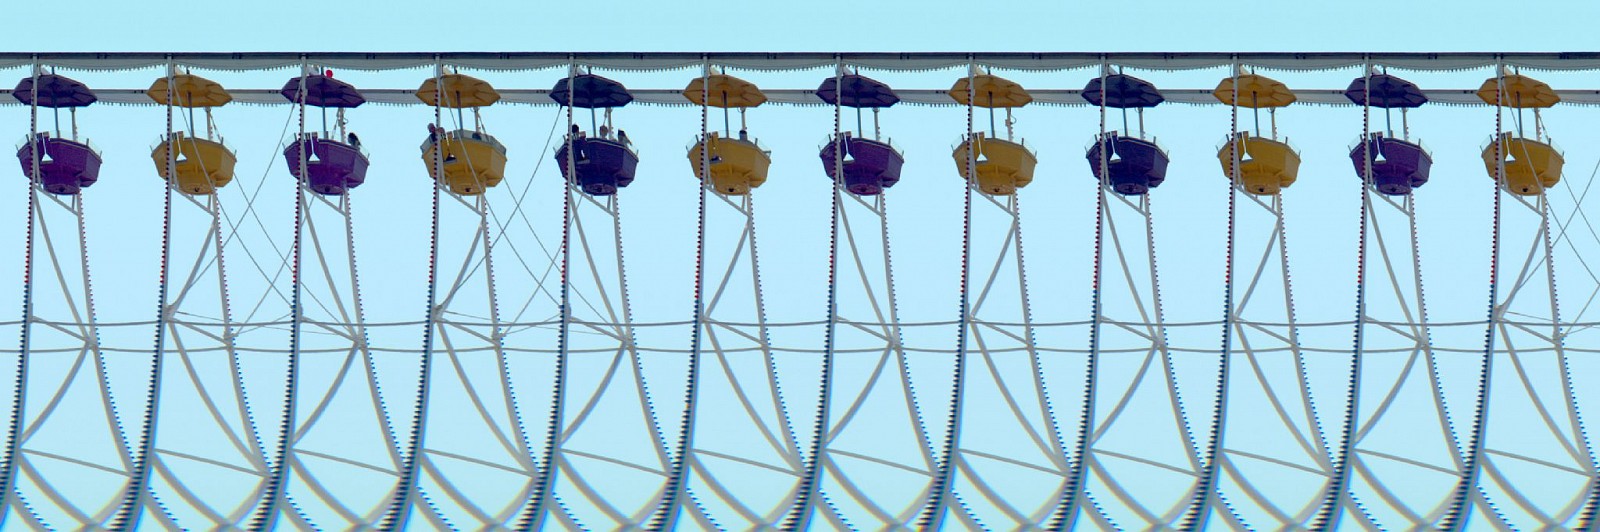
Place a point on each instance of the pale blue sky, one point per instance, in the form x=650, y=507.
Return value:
x=933, y=25
x=392, y=215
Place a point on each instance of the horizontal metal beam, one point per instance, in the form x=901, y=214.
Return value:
x=929, y=97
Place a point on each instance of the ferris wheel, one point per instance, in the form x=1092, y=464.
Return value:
x=534, y=397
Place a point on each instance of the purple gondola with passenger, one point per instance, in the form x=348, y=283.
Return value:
x=334, y=158
x=66, y=164
x=1398, y=164
x=870, y=165
x=1134, y=165
x=604, y=156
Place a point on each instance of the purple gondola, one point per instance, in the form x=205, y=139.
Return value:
x=66, y=165
x=335, y=160
x=1134, y=165
x=869, y=165
x=605, y=161
x=1398, y=165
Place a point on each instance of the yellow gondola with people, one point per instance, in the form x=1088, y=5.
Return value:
x=193, y=164
x=1263, y=166
x=472, y=160
x=1000, y=166
x=1530, y=165
x=735, y=165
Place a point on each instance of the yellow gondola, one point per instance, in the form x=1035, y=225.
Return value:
x=1268, y=166
x=200, y=166
x=1530, y=166
x=735, y=165
x=472, y=160
x=1262, y=166
x=1000, y=166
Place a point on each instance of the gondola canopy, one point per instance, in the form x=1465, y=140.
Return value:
x=589, y=91
x=1519, y=91
x=991, y=91
x=1385, y=91
x=726, y=92
x=54, y=91
x=321, y=90
x=1122, y=92
x=188, y=90
x=1255, y=91
x=858, y=91
x=460, y=92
